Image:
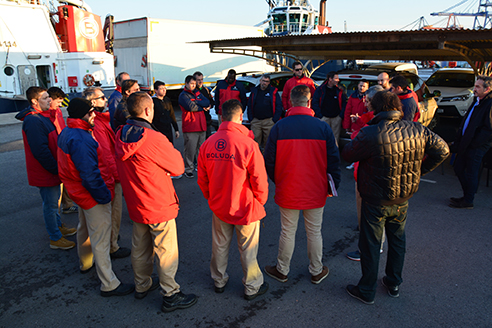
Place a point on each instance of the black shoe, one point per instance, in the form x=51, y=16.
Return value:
x=155, y=284
x=189, y=175
x=461, y=204
x=355, y=293
x=121, y=290
x=263, y=289
x=178, y=301
x=456, y=199
x=393, y=291
x=220, y=290
x=121, y=253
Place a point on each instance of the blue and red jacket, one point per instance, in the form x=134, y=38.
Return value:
x=80, y=166
x=275, y=100
x=291, y=84
x=105, y=137
x=319, y=97
x=410, y=105
x=225, y=91
x=192, y=103
x=113, y=102
x=300, y=152
x=40, y=131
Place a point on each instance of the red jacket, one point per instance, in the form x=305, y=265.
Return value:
x=232, y=175
x=225, y=91
x=146, y=160
x=81, y=168
x=290, y=84
x=105, y=137
x=192, y=115
x=355, y=105
x=40, y=130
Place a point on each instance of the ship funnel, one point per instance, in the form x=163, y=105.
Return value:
x=322, y=12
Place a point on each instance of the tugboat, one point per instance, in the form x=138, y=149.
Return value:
x=45, y=45
x=295, y=17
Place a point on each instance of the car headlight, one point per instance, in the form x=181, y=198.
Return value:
x=456, y=98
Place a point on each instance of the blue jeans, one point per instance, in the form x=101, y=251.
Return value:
x=50, y=196
x=467, y=168
x=374, y=220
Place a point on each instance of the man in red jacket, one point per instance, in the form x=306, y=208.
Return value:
x=297, y=79
x=40, y=129
x=233, y=179
x=104, y=135
x=146, y=160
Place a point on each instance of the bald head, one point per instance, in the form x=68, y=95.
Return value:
x=383, y=80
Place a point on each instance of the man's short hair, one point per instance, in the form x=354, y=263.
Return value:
x=197, y=73
x=331, y=75
x=56, y=93
x=137, y=102
x=157, y=84
x=399, y=81
x=230, y=109
x=189, y=78
x=372, y=91
x=90, y=92
x=232, y=71
x=300, y=95
x=265, y=76
x=127, y=85
x=487, y=80
x=34, y=93
x=364, y=81
x=385, y=101
x=296, y=64
x=120, y=75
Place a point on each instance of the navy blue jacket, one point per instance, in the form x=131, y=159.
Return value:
x=275, y=100
x=319, y=97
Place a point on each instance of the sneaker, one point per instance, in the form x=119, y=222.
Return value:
x=355, y=293
x=263, y=289
x=393, y=291
x=461, y=204
x=354, y=256
x=155, y=284
x=189, y=175
x=320, y=277
x=178, y=301
x=271, y=270
x=62, y=243
x=350, y=167
x=177, y=177
x=121, y=253
x=70, y=210
x=121, y=290
x=66, y=232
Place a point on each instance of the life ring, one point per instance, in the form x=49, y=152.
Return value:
x=88, y=80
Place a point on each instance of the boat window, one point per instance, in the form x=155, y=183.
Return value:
x=294, y=20
x=305, y=22
x=279, y=23
x=8, y=70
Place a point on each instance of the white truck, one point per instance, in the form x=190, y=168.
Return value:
x=61, y=47
x=151, y=49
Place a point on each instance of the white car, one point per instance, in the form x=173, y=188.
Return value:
x=277, y=79
x=455, y=86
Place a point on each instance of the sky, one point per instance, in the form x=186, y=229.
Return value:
x=359, y=15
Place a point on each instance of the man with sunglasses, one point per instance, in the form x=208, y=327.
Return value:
x=91, y=185
x=298, y=79
x=106, y=139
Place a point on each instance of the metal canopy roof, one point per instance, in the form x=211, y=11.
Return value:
x=473, y=46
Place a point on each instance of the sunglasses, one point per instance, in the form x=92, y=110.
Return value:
x=102, y=97
x=298, y=69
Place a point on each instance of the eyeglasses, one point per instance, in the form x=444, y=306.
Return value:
x=298, y=69
x=102, y=97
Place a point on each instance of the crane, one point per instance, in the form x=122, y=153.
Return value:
x=482, y=18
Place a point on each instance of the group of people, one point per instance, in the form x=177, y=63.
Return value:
x=124, y=145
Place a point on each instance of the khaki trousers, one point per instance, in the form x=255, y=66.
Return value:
x=93, y=234
x=65, y=200
x=247, y=241
x=336, y=125
x=116, y=209
x=192, y=143
x=313, y=220
x=261, y=130
x=159, y=239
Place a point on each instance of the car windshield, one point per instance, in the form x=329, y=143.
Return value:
x=457, y=80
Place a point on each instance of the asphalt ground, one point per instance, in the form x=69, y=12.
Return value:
x=447, y=274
